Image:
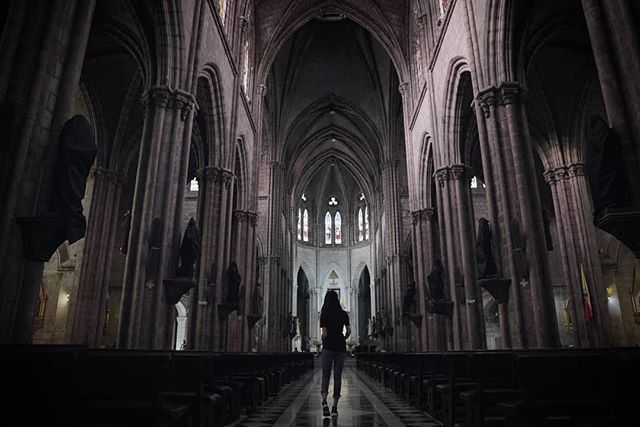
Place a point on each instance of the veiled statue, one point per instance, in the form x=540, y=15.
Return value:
x=605, y=167
x=76, y=154
x=484, y=251
x=409, y=302
x=189, y=250
x=435, y=280
x=233, y=286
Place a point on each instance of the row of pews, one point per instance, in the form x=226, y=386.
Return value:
x=79, y=386
x=528, y=388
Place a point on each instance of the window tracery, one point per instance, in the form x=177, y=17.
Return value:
x=327, y=228
x=338, y=228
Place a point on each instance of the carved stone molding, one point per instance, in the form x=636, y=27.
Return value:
x=487, y=100
x=165, y=97
x=458, y=171
x=511, y=93
x=576, y=169
x=550, y=177
x=442, y=175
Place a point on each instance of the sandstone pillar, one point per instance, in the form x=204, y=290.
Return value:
x=93, y=285
x=146, y=318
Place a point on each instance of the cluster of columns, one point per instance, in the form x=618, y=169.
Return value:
x=578, y=251
x=516, y=216
x=452, y=192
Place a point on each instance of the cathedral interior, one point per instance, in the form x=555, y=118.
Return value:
x=183, y=181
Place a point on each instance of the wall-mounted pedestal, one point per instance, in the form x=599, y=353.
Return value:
x=175, y=288
x=623, y=224
x=497, y=287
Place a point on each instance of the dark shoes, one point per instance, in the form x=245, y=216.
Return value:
x=334, y=411
x=325, y=409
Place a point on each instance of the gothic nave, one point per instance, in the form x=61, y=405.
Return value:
x=183, y=181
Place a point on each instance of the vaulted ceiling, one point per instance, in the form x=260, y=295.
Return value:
x=333, y=96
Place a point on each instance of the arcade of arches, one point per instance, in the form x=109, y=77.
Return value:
x=463, y=173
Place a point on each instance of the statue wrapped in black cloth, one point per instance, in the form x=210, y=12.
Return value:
x=484, y=250
x=233, y=286
x=189, y=250
x=408, y=306
x=435, y=279
x=76, y=154
x=605, y=167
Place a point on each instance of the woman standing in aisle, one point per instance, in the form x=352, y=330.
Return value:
x=334, y=346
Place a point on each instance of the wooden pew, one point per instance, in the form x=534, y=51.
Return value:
x=125, y=388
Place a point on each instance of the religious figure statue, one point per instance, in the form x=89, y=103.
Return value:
x=435, y=279
x=484, y=251
x=257, y=301
x=605, y=167
x=233, y=286
x=76, y=154
x=292, y=325
x=409, y=300
x=190, y=250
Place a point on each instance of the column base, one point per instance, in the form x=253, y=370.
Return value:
x=498, y=288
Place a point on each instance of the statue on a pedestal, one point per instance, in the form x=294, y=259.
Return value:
x=484, y=251
x=233, y=286
x=190, y=250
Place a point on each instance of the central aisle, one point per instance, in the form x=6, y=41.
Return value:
x=362, y=404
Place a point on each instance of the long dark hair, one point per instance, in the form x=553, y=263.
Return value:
x=331, y=303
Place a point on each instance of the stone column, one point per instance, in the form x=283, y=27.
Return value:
x=512, y=324
x=43, y=51
x=420, y=261
x=530, y=213
x=615, y=49
x=93, y=285
x=146, y=318
x=392, y=245
x=210, y=268
x=472, y=298
x=578, y=251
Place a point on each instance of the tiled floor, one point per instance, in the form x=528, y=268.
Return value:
x=363, y=403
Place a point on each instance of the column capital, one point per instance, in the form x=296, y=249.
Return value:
x=560, y=173
x=443, y=174
x=423, y=214
x=403, y=88
x=550, y=177
x=576, y=169
x=486, y=99
x=511, y=93
x=458, y=171
x=165, y=97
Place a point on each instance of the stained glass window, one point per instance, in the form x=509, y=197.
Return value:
x=360, y=225
x=299, y=224
x=245, y=68
x=305, y=225
x=338, y=228
x=222, y=10
x=366, y=223
x=193, y=185
x=327, y=228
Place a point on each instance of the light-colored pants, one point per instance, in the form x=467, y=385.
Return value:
x=328, y=358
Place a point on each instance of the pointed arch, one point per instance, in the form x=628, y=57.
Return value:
x=452, y=117
x=212, y=115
